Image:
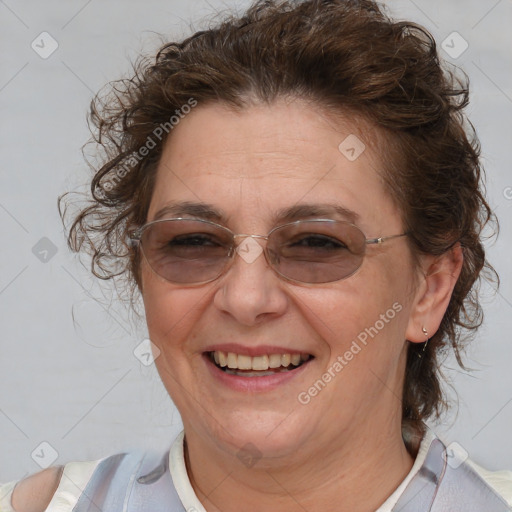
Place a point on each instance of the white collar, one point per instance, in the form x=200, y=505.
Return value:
x=180, y=478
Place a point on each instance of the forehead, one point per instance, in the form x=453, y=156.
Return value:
x=266, y=159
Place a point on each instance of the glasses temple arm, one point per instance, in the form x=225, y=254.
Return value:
x=382, y=239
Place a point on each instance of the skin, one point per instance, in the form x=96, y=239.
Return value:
x=33, y=494
x=342, y=451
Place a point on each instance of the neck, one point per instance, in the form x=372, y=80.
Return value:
x=356, y=474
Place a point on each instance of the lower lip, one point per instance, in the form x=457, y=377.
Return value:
x=264, y=383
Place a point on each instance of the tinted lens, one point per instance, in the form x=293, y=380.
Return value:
x=183, y=251
x=317, y=251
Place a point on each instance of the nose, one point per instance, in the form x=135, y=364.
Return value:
x=250, y=291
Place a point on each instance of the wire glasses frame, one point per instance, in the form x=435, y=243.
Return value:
x=190, y=251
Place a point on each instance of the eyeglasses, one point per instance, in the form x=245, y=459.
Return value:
x=195, y=251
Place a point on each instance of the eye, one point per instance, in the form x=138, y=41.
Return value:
x=193, y=246
x=317, y=241
x=194, y=239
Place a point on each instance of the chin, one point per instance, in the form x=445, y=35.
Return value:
x=267, y=435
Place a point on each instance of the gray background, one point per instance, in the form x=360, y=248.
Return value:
x=77, y=384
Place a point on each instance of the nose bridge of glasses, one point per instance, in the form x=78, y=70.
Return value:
x=245, y=235
x=248, y=248
x=244, y=244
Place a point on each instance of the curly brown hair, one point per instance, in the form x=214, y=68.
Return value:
x=343, y=56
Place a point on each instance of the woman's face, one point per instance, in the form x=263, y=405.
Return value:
x=250, y=166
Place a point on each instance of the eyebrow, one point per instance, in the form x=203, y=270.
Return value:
x=290, y=214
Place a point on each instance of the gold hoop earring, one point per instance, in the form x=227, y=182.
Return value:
x=425, y=332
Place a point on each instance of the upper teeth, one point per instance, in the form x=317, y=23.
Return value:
x=264, y=362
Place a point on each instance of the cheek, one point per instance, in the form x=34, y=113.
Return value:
x=170, y=312
x=343, y=317
x=365, y=315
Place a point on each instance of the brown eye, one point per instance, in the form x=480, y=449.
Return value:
x=318, y=242
x=194, y=240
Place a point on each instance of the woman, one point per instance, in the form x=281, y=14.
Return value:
x=295, y=197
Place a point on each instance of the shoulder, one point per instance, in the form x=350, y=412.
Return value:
x=33, y=494
x=500, y=481
x=55, y=488
x=59, y=489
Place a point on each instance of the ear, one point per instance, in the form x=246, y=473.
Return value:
x=438, y=279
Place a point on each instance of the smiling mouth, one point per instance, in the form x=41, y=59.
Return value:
x=258, y=366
